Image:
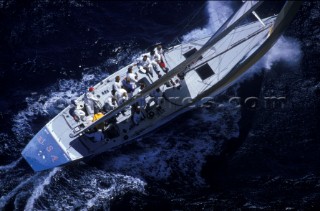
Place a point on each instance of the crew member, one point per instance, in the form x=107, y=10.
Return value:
x=121, y=96
x=117, y=83
x=144, y=65
x=97, y=135
x=137, y=116
x=111, y=102
x=91, y=102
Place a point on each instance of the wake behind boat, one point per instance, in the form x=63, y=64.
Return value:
x=158, y=87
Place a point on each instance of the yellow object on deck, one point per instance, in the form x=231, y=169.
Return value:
x=96, y=117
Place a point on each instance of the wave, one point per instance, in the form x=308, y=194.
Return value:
x=11, y=165
x=25, y=181
x=39, y=189
x=120, y=185
x=218, y=12
x=287, y=50
x=88, y=189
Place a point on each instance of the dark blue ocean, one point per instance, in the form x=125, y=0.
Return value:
x=240, y=152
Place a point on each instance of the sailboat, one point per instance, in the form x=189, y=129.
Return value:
x=195, y=71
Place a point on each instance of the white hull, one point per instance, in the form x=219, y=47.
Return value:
x=54, y=146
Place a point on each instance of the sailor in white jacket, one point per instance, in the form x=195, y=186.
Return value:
x=132, y=79
x=133, y=76
x=144, y=65
x=121, y=96
x=91, y=101
x=159, y=52
x=155, y=59
x=117, y=83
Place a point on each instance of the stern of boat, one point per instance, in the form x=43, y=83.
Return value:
x=43, y=152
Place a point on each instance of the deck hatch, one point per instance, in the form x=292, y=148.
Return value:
x=205, y=72
x=189, y=53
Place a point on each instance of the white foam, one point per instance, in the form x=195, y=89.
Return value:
x=287, y=50
x=83, y=189
x=88, y=77
x=219, y=12
x=4, y=199
x=120, y=185
x=37, y=192
x=20, y=199
x=11, y=165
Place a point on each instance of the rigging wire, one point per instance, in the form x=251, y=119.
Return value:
x=190, y=19
x=186, y=23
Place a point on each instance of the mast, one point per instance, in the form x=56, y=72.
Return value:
x=226, y=28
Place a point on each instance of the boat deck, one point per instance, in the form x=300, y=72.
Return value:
x=123, y=130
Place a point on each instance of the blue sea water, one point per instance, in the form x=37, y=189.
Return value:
x=51, y=51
